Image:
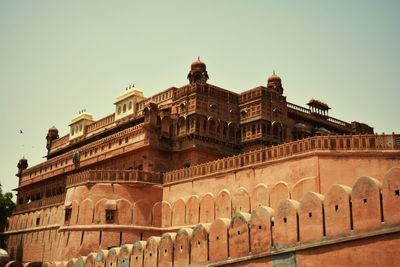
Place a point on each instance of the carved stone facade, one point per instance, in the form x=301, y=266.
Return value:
x=162, y=168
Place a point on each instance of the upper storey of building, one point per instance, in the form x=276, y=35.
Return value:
x=197, y=116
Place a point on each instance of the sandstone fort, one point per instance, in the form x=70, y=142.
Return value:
x=199, y=175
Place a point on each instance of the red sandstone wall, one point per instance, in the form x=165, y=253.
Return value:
x=283, y=178
x=290, y=171
x=87, y=230
x=34, y=236
x=195, y=201
x=341, y=169
x=296, y=233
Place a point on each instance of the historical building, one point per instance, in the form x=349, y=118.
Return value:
x=202, y=175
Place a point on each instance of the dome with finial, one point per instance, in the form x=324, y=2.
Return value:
x=198, y=65
x=275, y=83
x=274, y=78
x=198, y=72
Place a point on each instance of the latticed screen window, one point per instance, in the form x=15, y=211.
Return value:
x=110, y=216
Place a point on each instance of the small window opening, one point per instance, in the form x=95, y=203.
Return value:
x=365, y=200
x=110, y=216
x=310, y=215
x=198, y=243
x=238, y=232
x=150, y=254
x=217, y=237
x=259, y=227
x=37, y=221
x=336, y=207
x=397, y=193
x=285, y=220
x=67, y=218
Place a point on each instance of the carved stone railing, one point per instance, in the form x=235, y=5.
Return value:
x=298, y=108
x=316, y=143
x=308, y=111
x=45, y=202
x=113, y=176
x=340, y=122
x=60, y=142
x=100, y=123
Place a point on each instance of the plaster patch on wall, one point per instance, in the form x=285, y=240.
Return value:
x=284, y=260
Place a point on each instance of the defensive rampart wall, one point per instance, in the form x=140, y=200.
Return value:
x=365, y=216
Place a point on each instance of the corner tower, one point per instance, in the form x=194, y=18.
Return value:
x=198, y=73
x=274, y=82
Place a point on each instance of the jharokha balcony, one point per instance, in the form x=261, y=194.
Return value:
x=114, y=176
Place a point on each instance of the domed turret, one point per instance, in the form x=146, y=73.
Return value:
x=22, y=165
x=52, y=134
x=275, y=82
x=198, y=72
x=198, y=65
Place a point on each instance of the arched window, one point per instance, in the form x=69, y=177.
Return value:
x=212, y=127
x=180, y=125
x=124, y=108
x=197, y=124
x=119, y=110
x=275, y=130
x=224, y=130
x=182, y=107
x=231, y=131
x=130, y=105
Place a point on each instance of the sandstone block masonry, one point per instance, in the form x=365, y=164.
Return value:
x=296, y=233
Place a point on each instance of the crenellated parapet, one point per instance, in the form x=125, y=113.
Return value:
x=315, y=222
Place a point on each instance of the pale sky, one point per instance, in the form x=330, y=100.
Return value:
x=58, y=57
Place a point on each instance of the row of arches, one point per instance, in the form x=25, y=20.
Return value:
x=198, y=124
